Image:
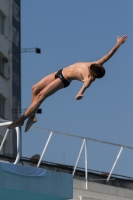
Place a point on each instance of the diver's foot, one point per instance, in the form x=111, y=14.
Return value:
x=16, y=124
x=31, y=120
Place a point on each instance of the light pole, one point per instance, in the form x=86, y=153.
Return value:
x=26, y=50
x=36, y=50
x=39, y=111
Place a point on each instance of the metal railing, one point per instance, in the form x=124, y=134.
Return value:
x=84, y=145
x=5, y=123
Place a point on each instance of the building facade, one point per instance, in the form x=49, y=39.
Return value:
x=10, y=68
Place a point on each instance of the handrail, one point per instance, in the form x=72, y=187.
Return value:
x=84, y=145
x=4, y=123
x=83, y=137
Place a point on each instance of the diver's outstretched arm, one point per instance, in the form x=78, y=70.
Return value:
x=120, y=40
x=86, y=84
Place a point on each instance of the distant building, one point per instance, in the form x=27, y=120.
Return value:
x=10, y=68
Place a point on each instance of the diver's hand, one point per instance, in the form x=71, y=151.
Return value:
x=121, y=40
x=79, y=96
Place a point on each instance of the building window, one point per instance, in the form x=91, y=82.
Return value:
x=2, y=106
x=2, y=63
x=2, y=21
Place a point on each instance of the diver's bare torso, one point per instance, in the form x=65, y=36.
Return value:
x=77, y=71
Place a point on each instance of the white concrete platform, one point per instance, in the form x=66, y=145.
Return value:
x=97, y=191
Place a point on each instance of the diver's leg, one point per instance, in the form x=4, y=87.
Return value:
x=50, y=89
x=35, y=91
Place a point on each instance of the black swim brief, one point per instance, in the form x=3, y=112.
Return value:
x=61, y=77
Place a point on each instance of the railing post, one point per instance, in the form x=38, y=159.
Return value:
x=118, y=156
x=5, y=136
x=86, y=165
x=4, y=123
x=18, y=145
x=44, y=149
x=78, y=157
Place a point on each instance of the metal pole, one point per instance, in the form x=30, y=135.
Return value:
x=4, y=139
x=18, y=139
x=118, y=156
x=86, y=165
x=82, y=137
x=44, y=149
x=5, y=123
x=18, y=145
x=78, y=157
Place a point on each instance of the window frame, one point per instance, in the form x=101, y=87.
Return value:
x=2, y=106
x=2, y=23
x=2, y=65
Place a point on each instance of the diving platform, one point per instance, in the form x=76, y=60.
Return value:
x=26, y=178
x=26, y=182
x=55, y=182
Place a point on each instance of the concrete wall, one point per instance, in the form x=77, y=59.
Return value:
x=97, y=191
x=6, y=81
x=53, y=186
